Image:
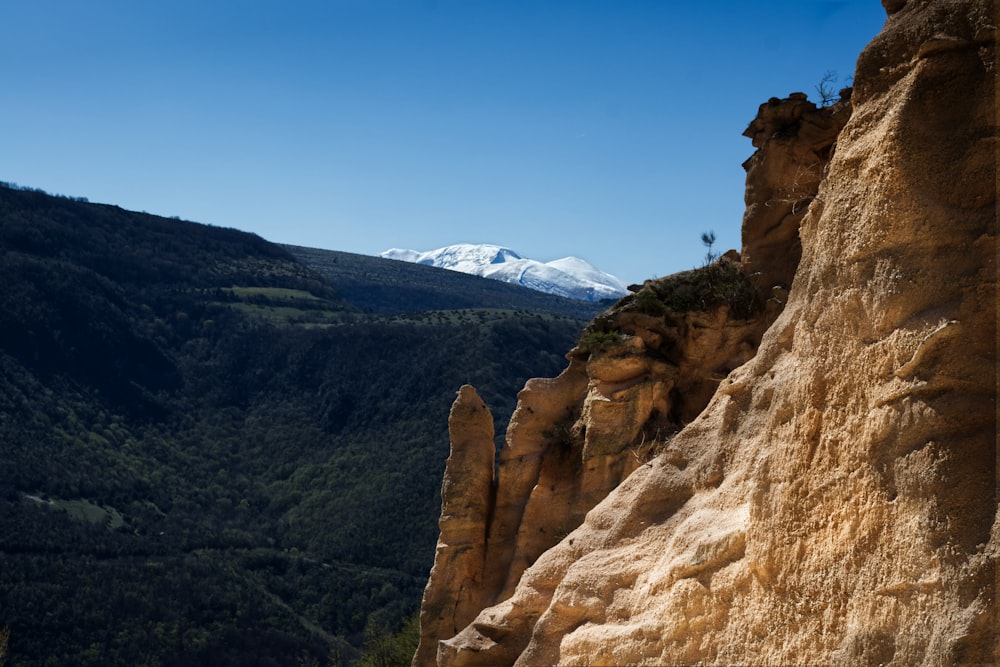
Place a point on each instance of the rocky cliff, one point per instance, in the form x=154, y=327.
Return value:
x=734, y=472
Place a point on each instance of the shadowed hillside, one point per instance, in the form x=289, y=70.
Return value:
x=211, y=455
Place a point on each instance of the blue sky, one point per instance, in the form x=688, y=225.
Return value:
x=605, y=129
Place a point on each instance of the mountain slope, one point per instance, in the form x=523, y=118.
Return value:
x=210, y=456
x=570, y=277
x=385, y=286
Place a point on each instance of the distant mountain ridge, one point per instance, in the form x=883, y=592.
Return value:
x=380, y=285
x=570, y=277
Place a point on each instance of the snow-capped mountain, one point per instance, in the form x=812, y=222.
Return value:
x=570, y=277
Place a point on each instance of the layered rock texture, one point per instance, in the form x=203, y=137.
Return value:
x=835, y=500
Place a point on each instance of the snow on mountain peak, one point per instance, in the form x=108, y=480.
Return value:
x=569, y=277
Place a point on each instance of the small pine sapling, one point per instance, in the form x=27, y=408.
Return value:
x=708, y=238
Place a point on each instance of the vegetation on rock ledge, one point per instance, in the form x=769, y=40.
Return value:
x=721, y=283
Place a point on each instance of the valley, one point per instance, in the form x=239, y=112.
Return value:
x=212, y=450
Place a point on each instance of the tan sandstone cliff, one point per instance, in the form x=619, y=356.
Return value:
x=835, y=501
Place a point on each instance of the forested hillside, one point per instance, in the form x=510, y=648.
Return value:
x=380, y=285
x=210, y=456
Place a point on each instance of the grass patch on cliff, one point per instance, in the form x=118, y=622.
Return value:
x=598, y=341
x=701, y=289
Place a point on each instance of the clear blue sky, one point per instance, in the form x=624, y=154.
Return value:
x=605, y=129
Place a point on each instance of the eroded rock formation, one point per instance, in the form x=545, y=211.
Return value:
x=795, y=141
x=451, y=599
x=641, y=371
x=835, y=502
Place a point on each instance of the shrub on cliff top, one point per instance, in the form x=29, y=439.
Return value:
x=598, y=341
x=704, y=288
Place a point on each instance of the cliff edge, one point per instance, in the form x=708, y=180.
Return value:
x=835, y=502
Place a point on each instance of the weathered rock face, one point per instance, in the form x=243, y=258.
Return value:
x=835, y=502
x=796, y=141
x=641, y=371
